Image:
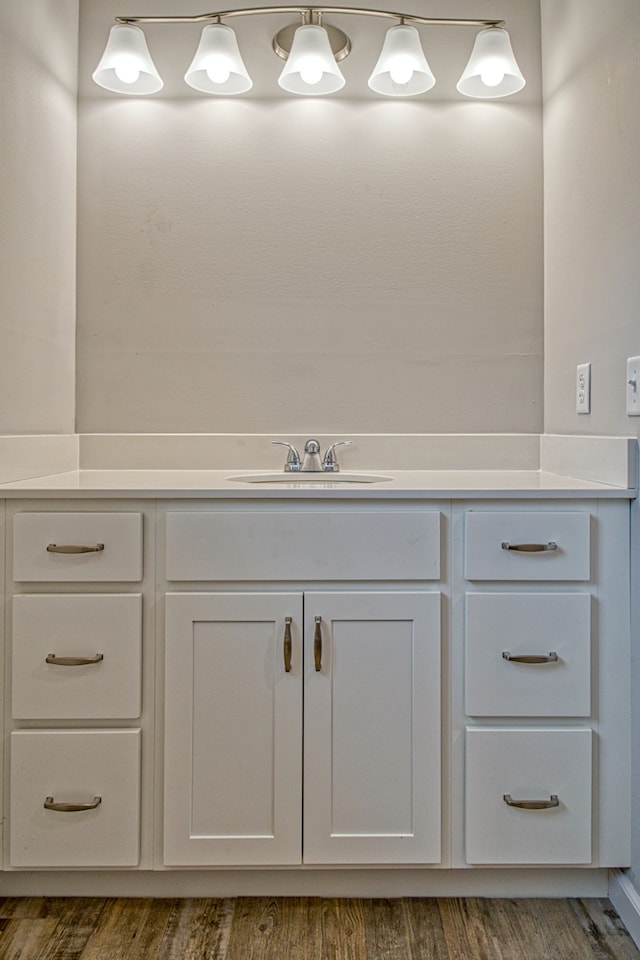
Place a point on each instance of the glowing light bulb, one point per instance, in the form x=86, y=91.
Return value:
x=218, y=69
x=492, y=72
x=126, y=70
x=311, y=70
x=401, y=71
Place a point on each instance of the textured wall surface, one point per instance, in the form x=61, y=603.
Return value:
x=591, y=67
x=38, y=88
x=294, y=264
x=592, y=208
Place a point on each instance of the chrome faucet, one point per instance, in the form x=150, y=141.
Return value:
x=312, y=462
x=329, y=461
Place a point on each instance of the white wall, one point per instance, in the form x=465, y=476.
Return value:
x=591, y=69
x=38, y=92
x=284, y=265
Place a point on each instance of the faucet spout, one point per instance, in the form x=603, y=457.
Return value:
x=311, y=462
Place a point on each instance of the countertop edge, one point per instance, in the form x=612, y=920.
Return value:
x=406, y=485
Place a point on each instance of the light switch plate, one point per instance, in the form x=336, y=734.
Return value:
x=633, y=386
x=583, y=388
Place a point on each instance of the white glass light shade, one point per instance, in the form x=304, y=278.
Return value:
x=311, y=67
x=217, y=66
x=126, y=65
x=492, y=70
x=402, y=69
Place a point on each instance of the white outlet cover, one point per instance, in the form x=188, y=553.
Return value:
x=633, y=386
x=583, y=388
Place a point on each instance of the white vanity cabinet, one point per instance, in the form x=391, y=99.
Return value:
x=303, y=726
x=317, y=683
x=75, y=697
x=545, y=648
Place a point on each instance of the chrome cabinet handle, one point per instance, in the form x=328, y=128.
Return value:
x=73, y=548
x=51, y=804
x=552, y=657
x=532, y=804
x=317, y=645
x=529, y=547
x=287, y=644
x=72, y=661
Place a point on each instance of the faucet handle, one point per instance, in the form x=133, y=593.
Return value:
x=329, y=461
x=293, y=463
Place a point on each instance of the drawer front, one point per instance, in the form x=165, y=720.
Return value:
x=75, y=767
x=550, y=633
x=282, y=545
x=528, y=765
x=105, y=630
x=565, y=537
x=113, y=542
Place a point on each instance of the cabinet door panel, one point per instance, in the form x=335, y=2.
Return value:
x=75, y=767
x=492, y=541
x=113, y=542
x=304, y=545
x=78, y=626
x=526, y=625
x=372, y=728
x=525, y=765
x=233, y=729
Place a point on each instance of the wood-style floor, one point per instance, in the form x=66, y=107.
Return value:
x=305, y=928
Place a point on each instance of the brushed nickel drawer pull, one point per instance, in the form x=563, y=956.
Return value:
x=552, y=657
x=73, y=548
x=287, y=644
x=72, y=661
x=51, y=804
x=317, y=645
x=532, y=804
x=529, y=547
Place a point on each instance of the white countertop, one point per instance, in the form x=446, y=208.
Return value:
x=404, y=485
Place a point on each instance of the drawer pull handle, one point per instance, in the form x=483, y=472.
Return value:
x=287, y=644
x=73, y=661
x=552, y=657
x=532, y=804
x=317, y=645
x=51, y=804
x=73, y=548
x=529, y=547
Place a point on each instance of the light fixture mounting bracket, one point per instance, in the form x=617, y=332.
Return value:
x=309, y=12
x=338, y=40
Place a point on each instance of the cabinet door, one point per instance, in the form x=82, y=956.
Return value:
x=75, y=798
x=77, y=547
x=233, y=725
x=528, y=795
x=76, y=657
x=372, y=728
x=528, y=655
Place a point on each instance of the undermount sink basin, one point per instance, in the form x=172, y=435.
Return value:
x=307, y=477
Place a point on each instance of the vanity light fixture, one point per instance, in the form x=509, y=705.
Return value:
x=126, y=65
x=492, y=70
x=217, y=63
x=312, y=50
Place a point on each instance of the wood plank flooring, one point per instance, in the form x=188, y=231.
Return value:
x=307, y=928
